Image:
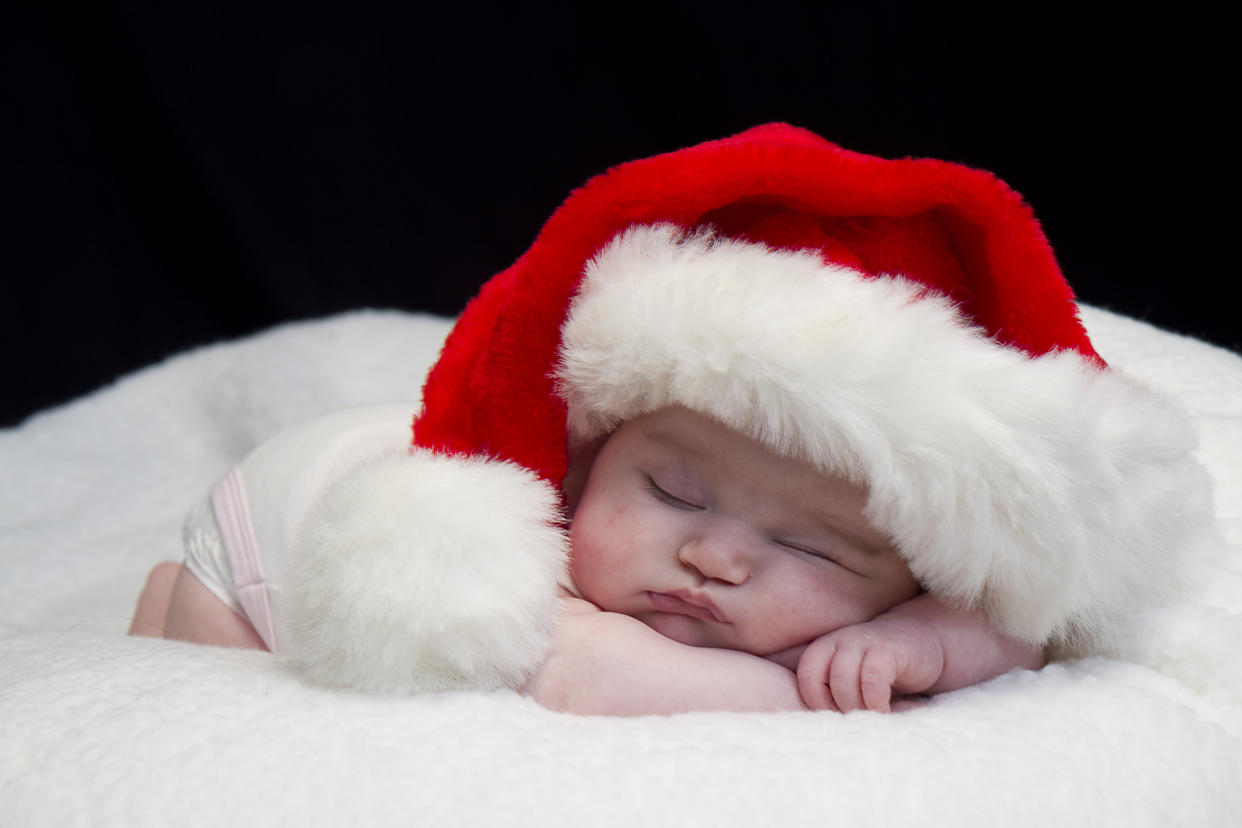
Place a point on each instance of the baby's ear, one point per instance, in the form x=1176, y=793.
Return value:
x=427, y=572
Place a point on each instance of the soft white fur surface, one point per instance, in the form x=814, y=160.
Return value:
x=100, y=729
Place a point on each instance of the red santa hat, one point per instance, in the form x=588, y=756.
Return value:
x=900, y=321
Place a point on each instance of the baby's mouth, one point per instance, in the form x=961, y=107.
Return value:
x=685, y=602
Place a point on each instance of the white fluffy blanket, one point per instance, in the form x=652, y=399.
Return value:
x=100, y=729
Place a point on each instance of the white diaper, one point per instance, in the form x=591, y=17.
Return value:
x=204, y=553
x=241, y=541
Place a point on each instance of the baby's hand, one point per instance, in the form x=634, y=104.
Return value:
x=861, y=666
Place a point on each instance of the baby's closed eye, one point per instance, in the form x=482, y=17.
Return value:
x=664, y=496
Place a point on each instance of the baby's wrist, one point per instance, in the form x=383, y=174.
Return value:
x=789, y=657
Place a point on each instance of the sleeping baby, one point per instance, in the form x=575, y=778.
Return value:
x=761, y=424
x=706, y=572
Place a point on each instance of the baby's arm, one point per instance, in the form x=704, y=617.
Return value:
x=920, y=646
x=605, y=663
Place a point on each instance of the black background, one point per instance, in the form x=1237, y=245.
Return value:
x=178, y=173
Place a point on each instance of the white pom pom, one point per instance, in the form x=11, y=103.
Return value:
x=427, y=572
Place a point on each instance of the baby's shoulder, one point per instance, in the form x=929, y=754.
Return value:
x=573, y=605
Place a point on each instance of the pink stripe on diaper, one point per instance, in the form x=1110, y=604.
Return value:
x=232, y=510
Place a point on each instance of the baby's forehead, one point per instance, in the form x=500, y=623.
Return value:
x=688, y=441
x=696, y=436
x=706, y=445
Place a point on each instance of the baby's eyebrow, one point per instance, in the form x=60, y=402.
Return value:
x=673, y=442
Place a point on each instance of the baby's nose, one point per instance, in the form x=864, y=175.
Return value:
x=719, y=555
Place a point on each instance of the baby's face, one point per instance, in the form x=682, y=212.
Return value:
x=714, y=541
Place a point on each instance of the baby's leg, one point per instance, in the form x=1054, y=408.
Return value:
x=193, y=613
x=154, y=600
x=196, y=614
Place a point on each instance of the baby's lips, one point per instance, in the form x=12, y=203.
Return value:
x=685, y=602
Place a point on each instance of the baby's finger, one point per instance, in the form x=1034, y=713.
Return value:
x=843, y=679
x=876, y=677
x=813, y=676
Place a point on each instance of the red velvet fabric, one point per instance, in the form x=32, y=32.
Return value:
x=958, y=230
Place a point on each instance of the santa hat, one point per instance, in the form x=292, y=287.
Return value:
x=900, y=321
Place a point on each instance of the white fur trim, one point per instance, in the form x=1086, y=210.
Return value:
x=1058, y=496
x=428, y=572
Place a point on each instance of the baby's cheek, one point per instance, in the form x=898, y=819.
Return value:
x=591, y=568
x=600, y=541
x=806, y=609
